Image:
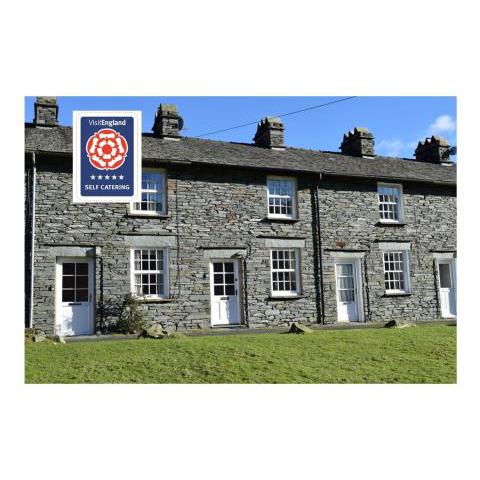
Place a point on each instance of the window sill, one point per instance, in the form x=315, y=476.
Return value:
x=155, y=300
x=390, y=224
x=280, y=219
x=399, y=294
x=284, y=297
x=148, y=215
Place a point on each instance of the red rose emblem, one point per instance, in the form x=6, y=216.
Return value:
x=107, y=149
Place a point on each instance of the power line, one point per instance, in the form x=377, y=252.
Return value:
x=277, y=115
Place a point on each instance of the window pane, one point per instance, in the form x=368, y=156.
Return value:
x=82, y=282
x=445, y=278
x=68, y=281
x=218, y=290
x=68, y=295
x=68, y=268
x=82, y=295
x=82, y=269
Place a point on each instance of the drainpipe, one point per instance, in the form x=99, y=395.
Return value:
x=319, y=247
x=32, y=247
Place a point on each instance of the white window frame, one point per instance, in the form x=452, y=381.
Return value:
x=152, y=213
x=286, y=293
x=165, y=272
x=293, y=216
x=399, y=205
x=406, y=271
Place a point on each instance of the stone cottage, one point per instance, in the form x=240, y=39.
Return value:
x=246, y=235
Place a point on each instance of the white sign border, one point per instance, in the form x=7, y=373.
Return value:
x=137, y=167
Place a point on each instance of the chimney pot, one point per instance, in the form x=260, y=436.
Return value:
x=433, y=149
x=359, y=143
x=46, y=111
x=270, y=134
x=168, y=122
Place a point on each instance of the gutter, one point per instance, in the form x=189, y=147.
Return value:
x=321, y=303
x=446, y=183
x=32, y=247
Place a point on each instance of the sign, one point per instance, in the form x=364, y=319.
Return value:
x=107, y=156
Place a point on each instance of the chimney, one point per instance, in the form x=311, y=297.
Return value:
x=168, y=122
x=358, y=143
x=270, y=134
x=46, y=111
x=433, y=150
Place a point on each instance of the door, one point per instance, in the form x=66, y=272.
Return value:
x=448, y=301
x=224, y=292
x=347, y=301
x=74, y=296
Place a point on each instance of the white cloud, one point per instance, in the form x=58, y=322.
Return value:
x=396, y=147
x=442, y=124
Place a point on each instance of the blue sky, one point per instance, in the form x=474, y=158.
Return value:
x=398, y=123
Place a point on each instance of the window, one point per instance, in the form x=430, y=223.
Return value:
x=396, y=272
x=390, y=202
x=150, y=272
x=75, y=282
x=445, y=277
x=153, y=193
x=281, y=197
x=285, y=272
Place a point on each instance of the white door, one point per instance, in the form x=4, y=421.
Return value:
x=347, y=302
x=448, y=301
x=74, y=294
x=224, y=292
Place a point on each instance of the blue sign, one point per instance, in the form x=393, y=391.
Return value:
x=106, y=157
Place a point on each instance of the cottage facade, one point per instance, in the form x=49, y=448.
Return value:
x=240, y=234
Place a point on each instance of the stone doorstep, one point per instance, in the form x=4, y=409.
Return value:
x=243, y=330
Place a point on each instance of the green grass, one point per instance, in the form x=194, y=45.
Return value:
x=425, y=354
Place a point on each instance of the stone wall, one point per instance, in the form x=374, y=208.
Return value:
x=207, y=208
x=350, y=222
x=227, y=209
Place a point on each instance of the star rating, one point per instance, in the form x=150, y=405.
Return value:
x=107, y=177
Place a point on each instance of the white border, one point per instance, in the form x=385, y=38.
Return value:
x=137, y=168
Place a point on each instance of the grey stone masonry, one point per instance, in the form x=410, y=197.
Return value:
x=168, y=122
x=349, y=221
x=433, y=150
x=359, y=143
x=208, y=208
x=46, y=111
x=270, y=133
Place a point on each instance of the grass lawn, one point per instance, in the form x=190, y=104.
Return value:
x=424, y=354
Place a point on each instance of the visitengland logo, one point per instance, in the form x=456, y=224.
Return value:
x=107, y=149
x=107, y=156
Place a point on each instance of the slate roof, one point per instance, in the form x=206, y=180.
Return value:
x=213, y=152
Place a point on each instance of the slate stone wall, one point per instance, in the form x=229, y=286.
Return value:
x=226, y=209
x=207, y=208
x=350, y=222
